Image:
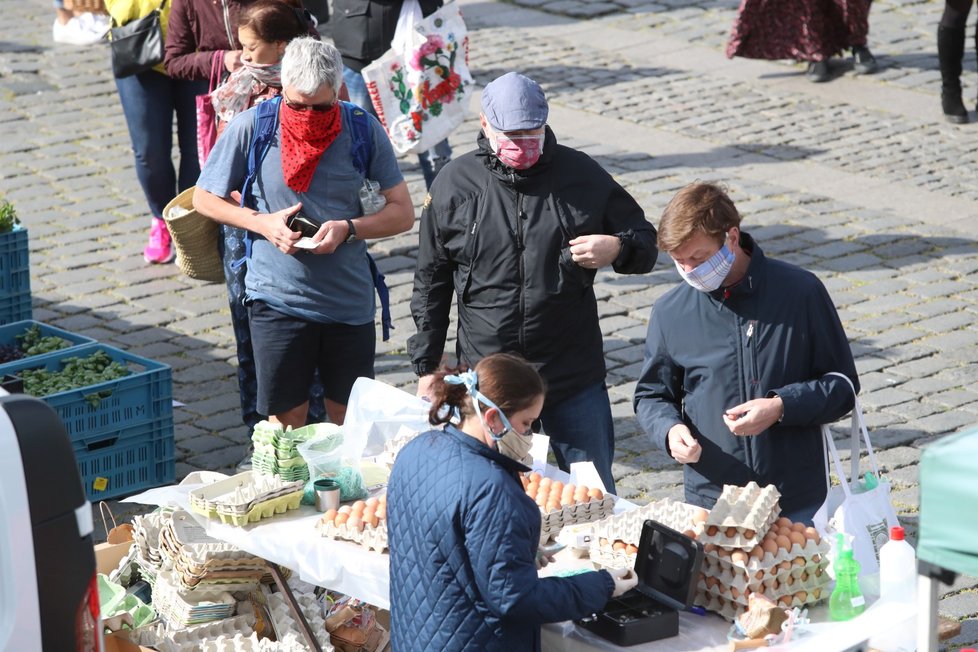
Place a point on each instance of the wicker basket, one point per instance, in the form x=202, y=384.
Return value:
x=195, y=238
x=93, y=6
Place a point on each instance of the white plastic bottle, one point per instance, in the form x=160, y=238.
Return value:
x=898, y=569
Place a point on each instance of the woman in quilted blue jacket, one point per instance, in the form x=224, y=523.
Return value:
x=463, y=534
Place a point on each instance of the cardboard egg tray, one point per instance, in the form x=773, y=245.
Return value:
x=263, y=509
x=251, y=643
x=736, y=586
x=741, y=516
x=607, y=557
x=180, y=608
x=770, y=565
x=627, y=526
x=372, y=538
x=191, y=638
x=554, y=520
x=287, y=627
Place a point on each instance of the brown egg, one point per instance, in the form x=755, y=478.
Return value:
x=784, y=531
x=712, y=531
x=783, y=542
x=344, y=509
x=631, y=550
x=566, y=502
x=798, y=561
x=381, y=511
x=552, y=505
x=545, y=483
x=773, y=586
x=532, y=489
x=373, y=501
x=690, y=534
x=723, y=553
x=770, y=546
x=783, y=522
x=757, y=552
x=759, y=575
x=357, y=507
x=329, y=516
x=700, y=516
x=812, y=534
x=382, y=498
x=818, y=572
x=355, y=522
x=730, y=532
x=535, y=477
x=603, y=542
x=798, y=527
x=816, y=593
x=816, y=558
x=798, y=539
x=787, y=581
x=785, y=565
x=750, y=534
x=734, y=593
x=710, y=547
x=785, y=601
x=341, y=518
x=801, y=596
x=371, y=520
x=711, y=582
x=570, y=488
x=739, y=557
x=595, y=494
x=618, y=545
x=803, y=577
x=557, y=486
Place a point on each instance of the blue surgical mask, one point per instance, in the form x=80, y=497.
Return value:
x=709, y=275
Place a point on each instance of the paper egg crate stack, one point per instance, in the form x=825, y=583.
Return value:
x=180, y=608
x=352, y=523
x=202, y=562
x=562, y=505
x=286, y=627
x=275, y=451
x=246, y=498
x=146, y=539
x=193, y=638
x=627, y=529
x=743, y=554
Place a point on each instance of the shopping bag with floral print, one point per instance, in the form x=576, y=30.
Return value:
x=420, y=87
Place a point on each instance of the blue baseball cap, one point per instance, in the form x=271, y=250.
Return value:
x=514, y=102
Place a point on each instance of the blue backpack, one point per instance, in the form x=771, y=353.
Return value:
x=266, y=120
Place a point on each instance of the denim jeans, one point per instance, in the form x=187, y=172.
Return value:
x=149, y=101
x=581, y=429
x=431, y=161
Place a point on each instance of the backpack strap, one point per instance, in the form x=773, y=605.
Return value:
x=361, y=135
x=266, y=121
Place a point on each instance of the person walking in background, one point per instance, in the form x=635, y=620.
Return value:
x=516, y=230
x=950, y=54
x=734, y=385
x=149, y=101
x=311, y=304
x=812, y=31
x=363, y=30
x=464, y=535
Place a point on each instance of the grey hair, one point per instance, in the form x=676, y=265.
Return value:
x=310, y=64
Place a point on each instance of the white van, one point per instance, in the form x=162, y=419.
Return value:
x=48, y=589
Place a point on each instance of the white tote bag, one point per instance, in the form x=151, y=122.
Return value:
x=864, y=515
x=420, y=87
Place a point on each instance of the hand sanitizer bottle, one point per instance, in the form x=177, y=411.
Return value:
x=846, y=601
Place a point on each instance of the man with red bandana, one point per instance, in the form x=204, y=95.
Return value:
x=516, y=230
x=311, y=301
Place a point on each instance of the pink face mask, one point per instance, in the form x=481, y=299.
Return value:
x=518, y=152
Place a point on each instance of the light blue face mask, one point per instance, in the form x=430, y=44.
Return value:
x=709, y=275
x=515, y=447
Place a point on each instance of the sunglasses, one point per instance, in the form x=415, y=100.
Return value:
x=298, y=106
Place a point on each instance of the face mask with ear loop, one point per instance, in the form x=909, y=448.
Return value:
x=514, y=445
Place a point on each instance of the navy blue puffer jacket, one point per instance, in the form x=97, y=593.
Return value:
x=463, y=541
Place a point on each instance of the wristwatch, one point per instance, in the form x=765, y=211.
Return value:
x=353, y=232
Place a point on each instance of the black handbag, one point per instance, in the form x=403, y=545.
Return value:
x=137, y=46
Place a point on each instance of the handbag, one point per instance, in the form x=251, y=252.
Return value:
x=195, y=238
x=137, y=46
x=865, y=514
x=420, y=87
x=206, y=113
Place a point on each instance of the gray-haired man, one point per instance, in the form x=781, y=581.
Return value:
x=309, y=307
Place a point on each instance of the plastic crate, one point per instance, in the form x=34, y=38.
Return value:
x=16, y=307
x=9, y=333
x=145, y=396
x=15, y=265
x=126, y=461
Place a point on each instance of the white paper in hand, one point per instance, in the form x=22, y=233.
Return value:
x=538, y=451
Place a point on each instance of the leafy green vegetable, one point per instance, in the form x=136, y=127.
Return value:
x=75, y=373
x=8, y=216
x=32, y=343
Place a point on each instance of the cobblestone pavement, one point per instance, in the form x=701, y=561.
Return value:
x=857, y=179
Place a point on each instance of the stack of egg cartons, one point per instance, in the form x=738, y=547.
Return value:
x=275, y=451
x=616, y=538
x=748, y=549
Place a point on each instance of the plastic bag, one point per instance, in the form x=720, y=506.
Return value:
x=375, y=413
x=323, y=453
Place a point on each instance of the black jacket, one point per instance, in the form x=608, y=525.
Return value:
x=776, y=333
x=363, y=29
x=497, y=239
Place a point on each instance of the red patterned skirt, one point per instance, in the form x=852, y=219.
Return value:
x=805, y=30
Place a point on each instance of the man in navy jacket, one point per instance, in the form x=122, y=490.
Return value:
x=734, y=384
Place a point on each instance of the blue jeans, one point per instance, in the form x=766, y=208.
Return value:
x=149, y=101
x=431, y=161
x=581, y=428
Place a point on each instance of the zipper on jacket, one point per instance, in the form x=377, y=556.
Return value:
x=521, y=247
x=227, y=24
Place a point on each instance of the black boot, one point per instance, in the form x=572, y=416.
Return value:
x=950, y=52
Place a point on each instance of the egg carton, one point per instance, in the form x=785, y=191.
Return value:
x=553, y=521
x=370, y=537
x=190, y=639
x=797, y=569
x=251, y=643
x=285, y=624
x=264, y=509
x=607, y=557
x=738, y=586
x=182, y=608
x=770, y=563
x=795, y=595
x=727, y=609
x=627, y=526
x=239, y=494
x=742, y=515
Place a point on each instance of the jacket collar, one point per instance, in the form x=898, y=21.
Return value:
x=747, y=285
x=518, y=178
x=481, y=449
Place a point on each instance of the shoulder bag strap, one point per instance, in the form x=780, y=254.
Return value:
x=266, y=120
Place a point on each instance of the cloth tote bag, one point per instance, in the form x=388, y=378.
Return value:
x=866, y=515
x=206, y=114
x=420, y=87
